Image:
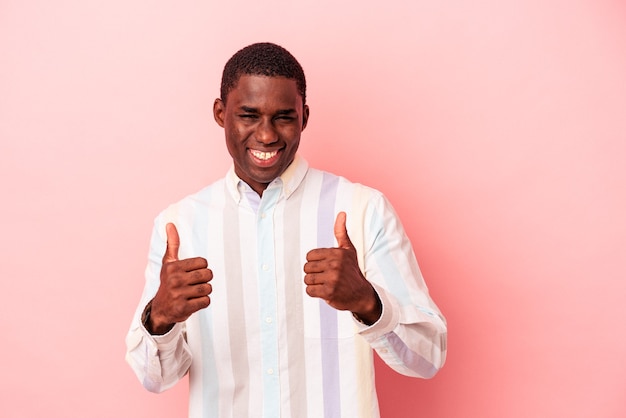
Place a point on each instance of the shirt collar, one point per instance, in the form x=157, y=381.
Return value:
x=289, y=181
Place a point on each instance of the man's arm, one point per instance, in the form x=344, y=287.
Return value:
x=157, y=349
x=401, y=321
x=411, y=335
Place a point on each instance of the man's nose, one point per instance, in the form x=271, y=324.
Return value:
x=266, y=132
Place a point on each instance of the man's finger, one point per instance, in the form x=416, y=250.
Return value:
x=173, y=242
x=341, y=232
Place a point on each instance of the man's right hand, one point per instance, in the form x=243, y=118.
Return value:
x=184, y=288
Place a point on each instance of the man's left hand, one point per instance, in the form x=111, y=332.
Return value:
x=333, y=274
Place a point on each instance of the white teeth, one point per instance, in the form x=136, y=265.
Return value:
x=263, y=155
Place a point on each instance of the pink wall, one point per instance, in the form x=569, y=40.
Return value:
x=497, y=128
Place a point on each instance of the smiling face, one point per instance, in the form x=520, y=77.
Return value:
x=262, y=118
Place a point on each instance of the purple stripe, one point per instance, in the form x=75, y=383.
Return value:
x=328, y=315
x=411, y=359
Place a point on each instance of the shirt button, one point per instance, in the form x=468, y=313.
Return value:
x=263, y=215
x=268, y=320
x=265, y=267
x=270, y=371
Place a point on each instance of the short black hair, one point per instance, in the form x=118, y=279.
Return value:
x=265, y=59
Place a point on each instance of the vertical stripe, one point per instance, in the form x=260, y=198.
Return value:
x=236, y=315
x=365, y=390
x=362, y=354
x=268, y=301
x=208, y=393
x=328, y=315
x=210, y=390
x=294, y=309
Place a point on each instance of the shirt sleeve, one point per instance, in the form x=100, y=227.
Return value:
x=159, y=361
x=411, y=334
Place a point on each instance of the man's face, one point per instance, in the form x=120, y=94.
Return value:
x=262, y=120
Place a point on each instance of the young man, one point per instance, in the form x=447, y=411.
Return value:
x=271, y=286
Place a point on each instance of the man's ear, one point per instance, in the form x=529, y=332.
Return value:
x=305, y=116
x=218, y=111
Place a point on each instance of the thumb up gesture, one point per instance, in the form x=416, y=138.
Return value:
x=333, y=274
x=184, y=287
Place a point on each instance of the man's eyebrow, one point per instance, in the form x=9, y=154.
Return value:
x=248, y=109
x=285, y=111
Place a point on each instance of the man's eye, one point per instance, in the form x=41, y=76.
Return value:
x=248, y=116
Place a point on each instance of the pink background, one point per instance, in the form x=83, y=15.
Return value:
x=497, y=129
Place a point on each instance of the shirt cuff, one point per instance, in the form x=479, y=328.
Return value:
x=162, y=341
x=389, y=318
x=167, y=340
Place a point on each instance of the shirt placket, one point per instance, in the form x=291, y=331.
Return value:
x=268, y=301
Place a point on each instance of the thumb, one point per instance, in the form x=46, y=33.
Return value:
x=341, y=232
x=173, y=242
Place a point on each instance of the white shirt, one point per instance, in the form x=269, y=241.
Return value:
x=264, y=348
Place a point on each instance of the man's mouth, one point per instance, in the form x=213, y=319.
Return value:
x=263, y=155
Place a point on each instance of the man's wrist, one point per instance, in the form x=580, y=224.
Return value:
x=372, y=315
x=148, y=322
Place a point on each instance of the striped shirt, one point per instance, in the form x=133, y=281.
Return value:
x=264, y=348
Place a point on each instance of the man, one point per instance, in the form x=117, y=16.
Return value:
x=271, y=286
